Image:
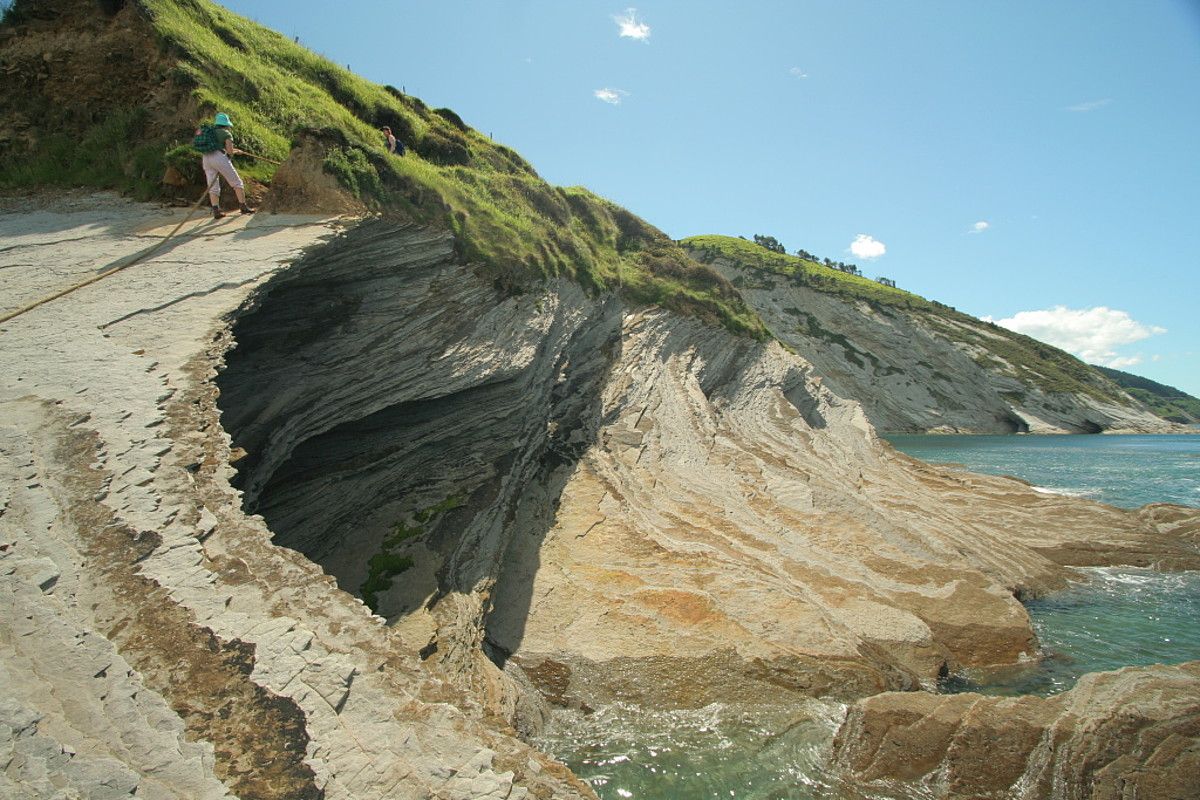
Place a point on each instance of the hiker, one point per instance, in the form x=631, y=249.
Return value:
x=216, y=142
x=394, y=145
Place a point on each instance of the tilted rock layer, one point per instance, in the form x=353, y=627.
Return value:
x=550, y=496
x=153, y=637
x=913, y=370
x=615, y=503
x=1132, y=733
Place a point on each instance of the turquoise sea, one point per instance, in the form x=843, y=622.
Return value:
x=1109, y=619
x=1124, y=471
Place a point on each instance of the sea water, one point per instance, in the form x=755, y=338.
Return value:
x=1124, y=471
x=1109, y=618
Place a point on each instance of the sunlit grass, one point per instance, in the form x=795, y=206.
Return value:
x=505, y=218
x=998, y=349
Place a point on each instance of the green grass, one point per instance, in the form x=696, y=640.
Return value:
x=1034, y=363
x=387, y=564
x=519, y=229
x=749, y=255
x=1165, y=401
x=128, y=163
x=452, y=502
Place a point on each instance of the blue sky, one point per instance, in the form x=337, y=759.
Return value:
x=1035, y=163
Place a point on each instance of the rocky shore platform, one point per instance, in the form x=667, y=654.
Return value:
x=200, y=456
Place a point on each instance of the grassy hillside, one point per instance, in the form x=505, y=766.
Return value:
x=1032, y=362
x=197, y=57
x=1166, y=401
x=106, y=94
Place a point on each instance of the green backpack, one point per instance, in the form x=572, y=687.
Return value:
x=205, y=140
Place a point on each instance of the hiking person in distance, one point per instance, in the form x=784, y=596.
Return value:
x=215, y=141
x=394, y=145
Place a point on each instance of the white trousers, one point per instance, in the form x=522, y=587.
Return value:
x=218, y=163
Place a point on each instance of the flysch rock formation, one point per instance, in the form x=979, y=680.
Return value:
x=554, y=499
x=915, y=371
x=153, y=642
x=624, y=504
x=1130, y=733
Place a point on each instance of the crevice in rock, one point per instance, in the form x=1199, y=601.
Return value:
x=397, y=413
x=1011, y=423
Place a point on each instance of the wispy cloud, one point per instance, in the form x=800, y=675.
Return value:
x=980, y=227
x=867, y=247
x=611, y=96
x=1090, y=105
x=797, y=72
x=1092, y=334
x=630, y=27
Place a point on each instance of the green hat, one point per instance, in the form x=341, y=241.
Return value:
x=222, y=119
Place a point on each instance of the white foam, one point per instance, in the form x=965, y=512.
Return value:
x=1063, y=492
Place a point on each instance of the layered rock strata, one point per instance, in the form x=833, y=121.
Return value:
x=915, y=371
x=614, y=503
x=550, y=497
x=154, y=640
x=1132, y=733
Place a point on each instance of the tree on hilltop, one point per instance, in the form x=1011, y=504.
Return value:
x=769, y=242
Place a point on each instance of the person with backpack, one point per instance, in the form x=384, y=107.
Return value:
x=215, y=142
x=393, y=145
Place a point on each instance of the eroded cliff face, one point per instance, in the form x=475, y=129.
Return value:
x=914, y=371
x=609, y=502
x=550, y=497
x=154, y=640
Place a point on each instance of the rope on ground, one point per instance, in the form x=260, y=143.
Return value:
x=260, y=158
x=143, y=255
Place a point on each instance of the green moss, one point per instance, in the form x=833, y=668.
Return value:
x=451, y=502
x=400, y=534
x=387, y=563
x=382, y=569
x=812, y=327
x=1016, y=398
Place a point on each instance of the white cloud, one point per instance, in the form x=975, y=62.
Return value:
x=981, y=226
x=797, y=72
x=630, y=27
x=1092, y=334
x=1090, y=105
x=867, y=247
x=611, y=96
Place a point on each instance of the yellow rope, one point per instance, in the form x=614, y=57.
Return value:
x=144, y=255
x=114, y=270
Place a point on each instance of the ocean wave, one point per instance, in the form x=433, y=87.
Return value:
x=1085, y=493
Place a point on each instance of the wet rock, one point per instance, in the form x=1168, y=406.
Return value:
x=1131, y=733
